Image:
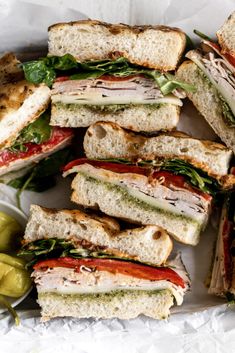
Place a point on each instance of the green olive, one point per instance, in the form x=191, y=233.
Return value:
x=14, y=279
x=10, y=230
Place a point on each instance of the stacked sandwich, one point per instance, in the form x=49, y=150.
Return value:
x=85, y=266
x=25, y=134
x=114, y=73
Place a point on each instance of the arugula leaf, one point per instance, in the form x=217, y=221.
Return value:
x=54, y=248
x=42, y=176
x=202, y=35
x=37, y=132
x=48, y=68
x=195, y=176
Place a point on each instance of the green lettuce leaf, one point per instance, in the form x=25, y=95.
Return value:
x=37, y=132
x=44, y=69
x=48, y=68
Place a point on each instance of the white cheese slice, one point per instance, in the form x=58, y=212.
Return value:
x=98, y=99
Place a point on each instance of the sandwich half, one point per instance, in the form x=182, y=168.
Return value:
x=222, y=281
x=141, y=195
x=92, y=269
x=108, y=141
x=100, y=234
x=113, y=80
x=25, y=134
x=211, y=70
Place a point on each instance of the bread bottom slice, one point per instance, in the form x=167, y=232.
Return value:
x=207, y=100
x=117, y=304
x=117, y=202
x=143, y=117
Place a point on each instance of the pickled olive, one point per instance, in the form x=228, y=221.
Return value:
x=14, y=279
x=10, y=230
x=12, y=261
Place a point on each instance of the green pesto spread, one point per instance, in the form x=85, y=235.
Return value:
x=109, y=108
x=104, y=296
x=127, y=197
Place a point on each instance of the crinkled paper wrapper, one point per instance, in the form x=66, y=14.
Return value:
x=204, y=323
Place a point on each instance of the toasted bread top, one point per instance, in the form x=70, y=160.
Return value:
x=158, y=47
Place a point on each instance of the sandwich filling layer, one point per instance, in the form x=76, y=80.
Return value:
x=110, y=90
x=67, y=276
x=220, y=73
x=58, y=135
x=161, y=193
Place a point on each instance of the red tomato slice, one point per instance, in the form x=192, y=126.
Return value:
x=119, y=79
x=110, y=78
x=168, y=177
x=62, y=78
x=114, y=167
x=58, y=135
x=229, y=57
x=116, y=266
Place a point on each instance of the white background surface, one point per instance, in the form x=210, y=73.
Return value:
x=205, y=14
x=195, y=330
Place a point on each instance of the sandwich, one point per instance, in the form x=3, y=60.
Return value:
x=25, y=134
x=211, y=160
x=117, y=73
x=85, y=266
x=142, y=195
x=222, y=282
x=168, y=180
x=211, y=69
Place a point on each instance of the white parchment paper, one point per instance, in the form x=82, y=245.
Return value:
x=204, y=323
